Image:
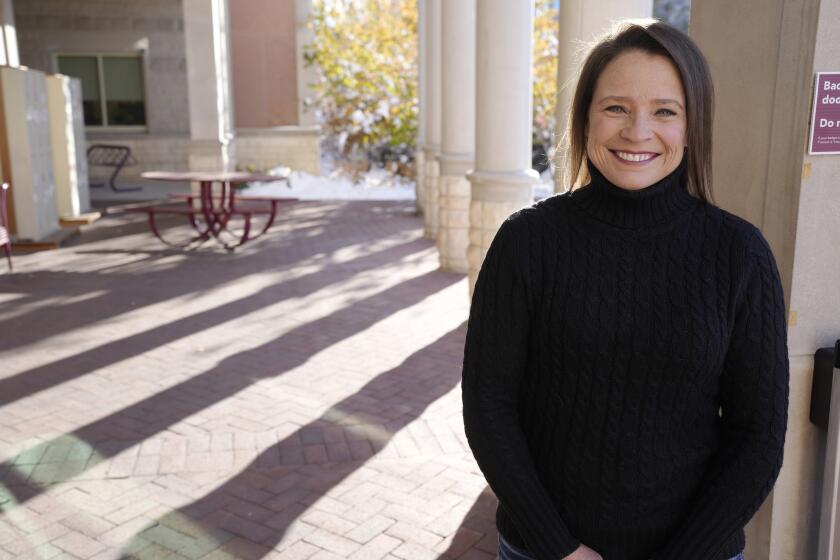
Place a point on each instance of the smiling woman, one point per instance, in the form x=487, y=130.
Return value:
x=625, y=378
x=648, y=72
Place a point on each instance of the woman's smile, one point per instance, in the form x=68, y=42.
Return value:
x=634, y=158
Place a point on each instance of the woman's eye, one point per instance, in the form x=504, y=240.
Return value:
x=665, y=113
x=615, y=109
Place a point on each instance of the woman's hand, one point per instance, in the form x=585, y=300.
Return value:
x=583, y=552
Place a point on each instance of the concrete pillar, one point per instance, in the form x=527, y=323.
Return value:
x=458, y=134
x=431, y=149
x=8, y=35
x=502, y=181
x=28, y=163
x=207, y=39
x=419, y=154
x=67, y=130
x=764, y=75
x=305, y=76
x=582, y=22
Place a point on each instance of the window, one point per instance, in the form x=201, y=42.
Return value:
x=112, y=88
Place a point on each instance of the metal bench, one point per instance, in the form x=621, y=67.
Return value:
x=111, y=155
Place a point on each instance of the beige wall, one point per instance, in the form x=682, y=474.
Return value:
x=762, y=173
x=814, y=299
x=263, y=63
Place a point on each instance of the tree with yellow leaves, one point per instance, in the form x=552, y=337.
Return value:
x=366, y=54
x=546, y=29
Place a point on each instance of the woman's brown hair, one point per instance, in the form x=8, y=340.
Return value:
x=656, y=38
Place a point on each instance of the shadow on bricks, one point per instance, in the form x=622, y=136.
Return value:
x=305, y=230
x=55, y=461
x=269, y=494
x=60, y=371
x=477, y=532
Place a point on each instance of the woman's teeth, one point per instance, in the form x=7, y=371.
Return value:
x=627, y=156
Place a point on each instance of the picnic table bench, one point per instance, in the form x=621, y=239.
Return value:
x=209, y=211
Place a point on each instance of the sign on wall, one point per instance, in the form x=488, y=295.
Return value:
x=825, y=120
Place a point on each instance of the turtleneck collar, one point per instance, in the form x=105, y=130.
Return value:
x=656, y=204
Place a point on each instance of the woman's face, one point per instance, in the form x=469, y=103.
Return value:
x=637, y=122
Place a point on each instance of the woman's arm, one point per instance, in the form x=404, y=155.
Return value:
x=494, y=362
x=754, y=401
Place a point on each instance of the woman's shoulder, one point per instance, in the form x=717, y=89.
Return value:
x=539, y=215
x=741, y=229
x=535, y=222
x=746, y=240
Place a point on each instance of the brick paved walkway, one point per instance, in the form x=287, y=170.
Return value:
x=297, y=399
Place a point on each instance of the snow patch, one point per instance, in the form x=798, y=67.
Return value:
x=376, y=184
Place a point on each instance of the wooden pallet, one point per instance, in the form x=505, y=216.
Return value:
x=80, y=220
x=53, y=241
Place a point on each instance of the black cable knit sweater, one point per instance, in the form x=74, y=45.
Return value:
x=625, y=379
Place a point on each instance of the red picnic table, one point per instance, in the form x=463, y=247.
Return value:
x=210, y=211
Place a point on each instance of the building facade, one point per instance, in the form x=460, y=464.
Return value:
x=133, y=59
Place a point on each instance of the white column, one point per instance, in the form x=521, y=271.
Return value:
x=431, y=148
x=458, y=133
x=419, y=154
x=503, y=180
x=582, y=22
x=70, y=170
x=305, y=76
x=8, y=35
x=207, y=38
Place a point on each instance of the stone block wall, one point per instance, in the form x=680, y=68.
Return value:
x=152, y=152
x=155, y=28
x=46, y=28
x=293, y=146
x=297, y=148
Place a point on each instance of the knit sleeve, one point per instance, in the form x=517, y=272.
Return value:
x=754, y=402
x=495, y=359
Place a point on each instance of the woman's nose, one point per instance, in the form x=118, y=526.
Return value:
x=637, y=129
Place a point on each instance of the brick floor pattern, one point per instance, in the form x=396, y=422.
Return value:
x=296, y=399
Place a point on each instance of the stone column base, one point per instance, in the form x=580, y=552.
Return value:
x=211, y=155
x=454, y=228
x=430, y=208
x=419, y=179
x=494, y=195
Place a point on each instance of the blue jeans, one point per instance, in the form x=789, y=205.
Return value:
x=509, y=552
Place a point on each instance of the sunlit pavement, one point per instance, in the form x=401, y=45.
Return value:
x=296, y=399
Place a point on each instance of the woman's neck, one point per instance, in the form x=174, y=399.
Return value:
x=634, y=208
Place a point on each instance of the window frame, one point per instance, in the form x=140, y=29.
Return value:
x=100, y=72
